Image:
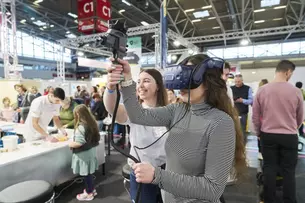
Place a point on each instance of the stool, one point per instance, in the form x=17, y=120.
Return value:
x=126, y=170
x=34, y=191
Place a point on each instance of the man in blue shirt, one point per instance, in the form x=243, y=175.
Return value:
x=243, y=97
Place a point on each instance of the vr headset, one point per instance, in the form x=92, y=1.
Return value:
x=184, y=76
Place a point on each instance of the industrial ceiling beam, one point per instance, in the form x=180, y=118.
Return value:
x=218, y=21
x=300, y=18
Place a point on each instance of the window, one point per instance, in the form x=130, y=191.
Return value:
x=27, y=45
x=215, y=53
x=245, y=52
x=67, y=55
x=230, y=53
x=302, y=47
x=49, y=50
x=260, y=50
x=38, y=48
x=273, y=49
x=291, y=48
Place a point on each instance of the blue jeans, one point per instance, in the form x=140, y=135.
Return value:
x=118, y=129
x=149, y=193
x=89, y=183
x=243, y=123
x=100, y=125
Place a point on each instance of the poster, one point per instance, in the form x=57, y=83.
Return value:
x=134, y=54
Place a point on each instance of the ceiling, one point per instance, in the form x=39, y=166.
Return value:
x=221, y=17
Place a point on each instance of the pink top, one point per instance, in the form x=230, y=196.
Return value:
x=278, y=108
x=7, y=114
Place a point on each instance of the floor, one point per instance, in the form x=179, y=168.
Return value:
x=111, y=190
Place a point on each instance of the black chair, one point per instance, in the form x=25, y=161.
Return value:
x=34, y=191
x=126, y=170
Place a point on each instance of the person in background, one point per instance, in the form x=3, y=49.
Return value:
x=34, y=91
x=172, y=97
x=84, y=94
x=24, y=106
x=7, y=113
x=66, y=112
x=225, y=76
x=77, y=92
x=98, y=110
x=48, y=90
x=243, y=97
x=151, y=93
x=21, y=90
x=84, y=159
x=102, y=90
x=300, y=85
x=260, y=156
x=43, y=109
x=94, y=90
x=277, y=114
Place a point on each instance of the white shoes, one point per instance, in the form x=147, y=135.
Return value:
x=260, y=156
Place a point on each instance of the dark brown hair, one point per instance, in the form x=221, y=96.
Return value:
x=161, y=92
x=227, y=66
x=83, y=117
x=21, y=86
x=285, y=66
x=96, y=96
x=263, y=82
x=217, y=97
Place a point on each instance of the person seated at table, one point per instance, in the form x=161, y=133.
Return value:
x=7, y=113
x=66, y=112
x=42, y=111
x=84, y=159
x=99, y=110
x=34, y=91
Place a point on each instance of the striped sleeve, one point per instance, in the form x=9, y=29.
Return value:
x=159, y=116
x=211, y=184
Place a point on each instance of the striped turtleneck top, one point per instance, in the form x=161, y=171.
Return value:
x=199, y=149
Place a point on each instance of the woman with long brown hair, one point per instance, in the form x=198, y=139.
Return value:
x=203, y=145
x=150, y=93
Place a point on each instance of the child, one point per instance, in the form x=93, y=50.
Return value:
x=84, y=160
x=7, y=113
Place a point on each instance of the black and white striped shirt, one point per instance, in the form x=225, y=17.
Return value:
x=199, y=149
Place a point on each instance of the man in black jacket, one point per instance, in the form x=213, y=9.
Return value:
x=99, y=110
x=243, y=97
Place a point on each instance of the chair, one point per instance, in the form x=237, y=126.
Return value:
x=126, y=170
x=34, y=191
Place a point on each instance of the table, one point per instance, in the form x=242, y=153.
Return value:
x=45, y=161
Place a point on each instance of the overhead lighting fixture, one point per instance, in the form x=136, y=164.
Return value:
x=259, y=21
x=177, y=43
x=211, y=18
x=126, y=2
x=259, y=10
x=201, y=14
x=80, y=53
x=68, y=32
x=44, y=27
x=23, y=21
x=174, y=57
x=216, y=27
x=38, y=1
x=51, y=25
x=32, y=18
x=189, y=10
x=195, y=21
x=253, y=72
x=76, y=21
x=144, y=23
x=206, y=7
x=279, y=7
x=276, y=19
x=244, y=42
x=8, y=13
x=41, y=29
x=71, y=36
x=72, y=15
x=121, y=11
x=39, y=23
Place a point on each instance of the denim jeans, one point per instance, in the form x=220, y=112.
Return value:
x=100, y=125
x=243, y=123
x=149, y=193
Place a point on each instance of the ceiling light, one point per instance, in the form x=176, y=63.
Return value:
x=38, y=1
x=32, y=18
x=41, y=28
x=201, y=14
x=190, y=51
x=244, y=42
x=76, y=21
x=174, y=57
x=265, y=3
x=71, y=36
x=189, y=10
x=259, y=10
x=211, y=18
x=44, y=27
x=275, y=19
x=8, y=13
x=206, y=7
x=279, y=7
x=144, y=23
x=121, y=11
x=253, y=72
x=126, y=2
x=23, y=21
x=216, y=27
x=68, y=32
x=80, y=53
x=72, y=15
x=39, y=23
x=259, y=21
x=197, y=20
x=51, y=25
x=177, y=43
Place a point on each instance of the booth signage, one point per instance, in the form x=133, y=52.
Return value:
x=85, y=9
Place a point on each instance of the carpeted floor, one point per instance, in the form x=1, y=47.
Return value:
x=111, y=190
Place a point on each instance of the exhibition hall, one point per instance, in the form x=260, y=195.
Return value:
x=152, y=101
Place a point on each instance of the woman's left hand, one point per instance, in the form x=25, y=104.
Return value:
x=144, y=172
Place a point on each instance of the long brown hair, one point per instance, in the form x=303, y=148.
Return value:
x=83, y=117
x=161, y=92
x=217, y=97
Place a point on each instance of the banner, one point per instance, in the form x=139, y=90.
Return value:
x=163, y=34
x=134, y=54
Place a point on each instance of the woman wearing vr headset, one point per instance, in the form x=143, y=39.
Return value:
x=151, y=93
x=205, y=139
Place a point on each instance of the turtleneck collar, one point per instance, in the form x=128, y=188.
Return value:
x=200, y=108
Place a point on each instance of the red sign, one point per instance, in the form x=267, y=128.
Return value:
x=103, y=9
x=85, y=8
x=86, y=26
x=101, y=25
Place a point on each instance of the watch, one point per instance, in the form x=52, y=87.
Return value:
x=127, y=83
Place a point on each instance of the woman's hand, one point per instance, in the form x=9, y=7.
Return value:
x=144, y=172
x=118, y=73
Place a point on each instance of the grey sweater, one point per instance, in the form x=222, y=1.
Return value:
x=199, y=149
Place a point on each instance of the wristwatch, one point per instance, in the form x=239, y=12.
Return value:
x=126, y=83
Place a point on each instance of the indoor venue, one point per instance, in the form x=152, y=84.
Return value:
x=152, y=101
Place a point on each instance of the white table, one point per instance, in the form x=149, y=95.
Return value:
x=48, y=161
